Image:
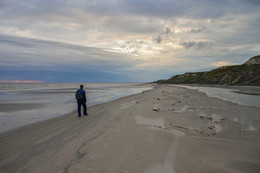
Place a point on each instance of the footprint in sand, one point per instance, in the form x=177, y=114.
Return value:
x=128, y=104
x=156, y=107
x=106, y=145
x=237, y=120
x=137, y=157
x=183, y=109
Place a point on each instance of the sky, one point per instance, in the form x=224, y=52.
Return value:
x=123, y=40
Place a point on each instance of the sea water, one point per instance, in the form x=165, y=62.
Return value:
x=26, y=103
x=243, y=95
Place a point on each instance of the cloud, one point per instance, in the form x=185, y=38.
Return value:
x=18, y=52
x=195, y=30
x=166, y=30
x=120, y=36
x=196, y=44
x=157, y=39
x=102, y=23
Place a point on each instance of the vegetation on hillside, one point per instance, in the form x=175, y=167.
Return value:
x=227, y=75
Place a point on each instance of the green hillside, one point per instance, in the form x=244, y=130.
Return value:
x=245, y=74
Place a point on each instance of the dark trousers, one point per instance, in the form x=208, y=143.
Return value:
x=84, y=108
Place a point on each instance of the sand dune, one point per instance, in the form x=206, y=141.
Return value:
x=168, y=129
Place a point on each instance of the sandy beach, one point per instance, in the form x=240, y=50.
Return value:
x=167, y=129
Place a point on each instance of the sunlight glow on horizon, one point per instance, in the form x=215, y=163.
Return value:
x=222, y=63
x=20, y=81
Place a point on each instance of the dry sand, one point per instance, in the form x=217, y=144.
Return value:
x=165, y=130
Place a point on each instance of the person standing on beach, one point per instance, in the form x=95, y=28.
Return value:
x=81, y=100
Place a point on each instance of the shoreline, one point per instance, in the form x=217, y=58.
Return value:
x=241, y=93
x=166, y=129
x=57, y=117
x=34, y=106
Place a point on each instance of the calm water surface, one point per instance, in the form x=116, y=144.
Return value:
x=243, y=95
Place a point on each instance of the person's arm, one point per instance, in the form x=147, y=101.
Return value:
x=85, y=98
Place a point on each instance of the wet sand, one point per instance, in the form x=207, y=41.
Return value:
x=168, y=129
x=9, y=107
